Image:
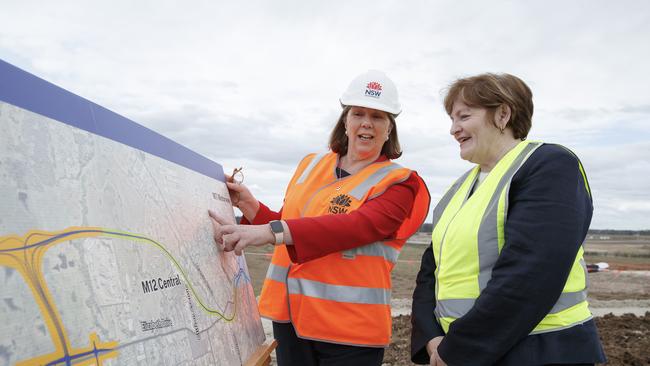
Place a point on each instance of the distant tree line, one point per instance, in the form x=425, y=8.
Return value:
x=428, y=227
x=619, y=232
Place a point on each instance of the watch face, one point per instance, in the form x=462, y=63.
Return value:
x=276, y=226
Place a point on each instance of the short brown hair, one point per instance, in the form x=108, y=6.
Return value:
x=489, y=91
x=339, y=140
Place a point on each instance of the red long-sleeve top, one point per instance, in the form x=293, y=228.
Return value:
x=377, y=219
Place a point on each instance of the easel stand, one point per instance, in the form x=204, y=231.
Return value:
x=262, y=355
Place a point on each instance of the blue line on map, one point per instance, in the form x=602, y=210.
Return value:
x=241, y=272
x=67, y=359
x=27, y=91
x=240, y=260
x=54, y=238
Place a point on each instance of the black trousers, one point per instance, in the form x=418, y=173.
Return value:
x=294, y=351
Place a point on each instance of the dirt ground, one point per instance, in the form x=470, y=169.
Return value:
x=619, y=298
x=626, y=340
x=614, y=297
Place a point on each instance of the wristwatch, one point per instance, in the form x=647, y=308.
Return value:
x=278, y=231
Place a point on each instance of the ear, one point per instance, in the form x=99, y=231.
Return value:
x=502, y=116
x=388, y=131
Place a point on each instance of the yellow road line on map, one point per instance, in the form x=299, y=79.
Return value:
x=25, y=254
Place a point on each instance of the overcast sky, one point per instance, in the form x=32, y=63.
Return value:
x=256, y=83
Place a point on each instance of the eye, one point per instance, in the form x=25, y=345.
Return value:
x=464, y=117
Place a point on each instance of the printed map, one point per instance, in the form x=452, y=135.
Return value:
x=107, y=256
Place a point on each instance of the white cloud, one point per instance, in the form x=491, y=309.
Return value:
x=257, y=83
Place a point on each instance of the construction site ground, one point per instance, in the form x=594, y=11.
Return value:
x=619, y=298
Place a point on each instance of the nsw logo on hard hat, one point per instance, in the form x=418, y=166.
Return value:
x=373, y=89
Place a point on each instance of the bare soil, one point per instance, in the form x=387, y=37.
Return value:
x=626, y=340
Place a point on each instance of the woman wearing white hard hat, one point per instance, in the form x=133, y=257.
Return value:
x=346, y=215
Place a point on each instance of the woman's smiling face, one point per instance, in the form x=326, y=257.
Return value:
x=479, y=139
x=367, y=130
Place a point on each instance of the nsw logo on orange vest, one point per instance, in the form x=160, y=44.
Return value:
x=339, y=204
x=373, y=89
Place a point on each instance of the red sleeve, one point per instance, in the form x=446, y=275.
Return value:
x=377, y=219
x=263, y=216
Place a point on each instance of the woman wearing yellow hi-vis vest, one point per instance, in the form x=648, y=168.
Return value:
x=346, y=215
x=504, y=281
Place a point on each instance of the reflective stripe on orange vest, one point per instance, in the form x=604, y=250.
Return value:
x=377, y=249
x=277, y=273
x=349, y=294
x=343, y=297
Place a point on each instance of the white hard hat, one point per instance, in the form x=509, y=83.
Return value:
x=373, y=89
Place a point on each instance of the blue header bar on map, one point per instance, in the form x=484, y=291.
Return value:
x=34, y=94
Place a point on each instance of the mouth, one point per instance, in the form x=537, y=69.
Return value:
x=462, y=140
x=365, y=137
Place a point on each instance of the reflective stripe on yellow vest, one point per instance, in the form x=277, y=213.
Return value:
x=343, y=297
x=468, y=236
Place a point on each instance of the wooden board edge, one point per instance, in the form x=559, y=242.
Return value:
x=262, y=355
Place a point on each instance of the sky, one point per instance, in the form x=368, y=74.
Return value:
x=257, y=83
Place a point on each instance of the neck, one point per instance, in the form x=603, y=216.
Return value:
x=352, y=164
x=500, y=153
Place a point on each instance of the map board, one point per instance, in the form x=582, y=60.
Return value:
x=106, y=249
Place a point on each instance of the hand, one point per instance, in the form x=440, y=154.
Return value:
x=236, y=238
x=432, y=349
x=242, y=198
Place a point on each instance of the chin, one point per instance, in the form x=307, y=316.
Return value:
x=465, y=156
x=365, y=152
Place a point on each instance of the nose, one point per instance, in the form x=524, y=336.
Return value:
x=455, y=128
x=365, y=122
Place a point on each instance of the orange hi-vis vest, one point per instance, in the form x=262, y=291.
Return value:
x=343, y=297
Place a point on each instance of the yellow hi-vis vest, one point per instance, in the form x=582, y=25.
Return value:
x=343, y=297
x=468, y=236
